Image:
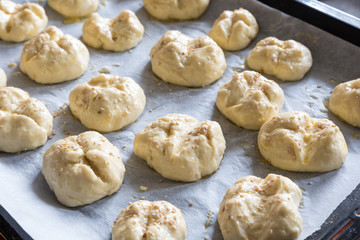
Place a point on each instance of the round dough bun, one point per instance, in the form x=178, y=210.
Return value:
x=249, y=99
x=74, y=8
x=180, y=147
x=294, y=141
x=3, y=78
x=25, y=122
x=286, y=60
x=176, y=9
x=20, y=22
x=345, y=102
x=158, y=220
x=255, y=208
x=118, y=34
x=234, y=30
x=54, y=57
x=82, y=169
x=107, y=102
x=179, y=59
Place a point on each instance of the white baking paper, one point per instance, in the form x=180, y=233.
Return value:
x=27, y=197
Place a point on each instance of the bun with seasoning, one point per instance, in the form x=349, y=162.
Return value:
x=294, y=141
x=83, y=169
x=74, y=8
x=25, y=122
x=181, y=148
x=158, y=220
x=107, y=102
x=54, y=57
x=255, y=208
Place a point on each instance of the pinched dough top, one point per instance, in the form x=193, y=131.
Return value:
x=255, y=208
x=53, y=57
x=296, y=142
x=117, y=34
x=107, y=102
x=233, y=30
x=179, y=59
x=146, y=220
x=345, y=102
x=82, y=169
x=74, y=8
x=176, y=9
x=250, y=99
x=181, y=148
x=25, y=122
x=286, y=60
x=20, y=22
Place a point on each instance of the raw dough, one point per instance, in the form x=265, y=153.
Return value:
x=176, y=9
x=20, y=22
x=179, y=59
x=54, y=57
x=25, y=122
x=82, y=169
x=74, y=8
x=146, y=220
x=181, y=148
x=250, y=99
x=296, y=142
x=3, y=78
x=234, y=30
x=255, y=208
x=345, y=102
x=286, y=60
x=118, y=34
x=107, y=102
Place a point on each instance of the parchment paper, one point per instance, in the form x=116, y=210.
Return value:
x=27, y=197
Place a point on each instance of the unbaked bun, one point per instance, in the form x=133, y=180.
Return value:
x=179, y=59
x=82, y=169
x=74, y=8
x=107, y=102
x=54, y=57
x=249, y=99
x=20, y=22
x=286, y=60
x=345, y=102
x=296, y=142
x=176, y=9
x=180, y=147
x=146, y=220
x=25, y=122
x=117, y=34
x=255, y=208
x=233, y=30
x=3, y=78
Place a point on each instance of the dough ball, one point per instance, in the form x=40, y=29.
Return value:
x=294, y=141
x=25, y=122
x=74, y=8
x=107, y=102
x=146, y=220
x=255, y=208
x=249, y=99
x=82, y=169
x=54, y=57
x=181, y=60
x=286, y=60
x=20, y=22
x=176, y=9
x=3, y=78
x=118, y=34
x=180, y=147
x=345, y=102
x=234, y=30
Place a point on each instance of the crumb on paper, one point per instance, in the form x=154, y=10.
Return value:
x=50, y=137
x=55, y=114
x=191, y=204
x=103, y=2
x=142, y=197
x=67, y=132
x=143, y=188
x=134, y=197
x=130, y=51
x=161, y=180
x=323, y=111
x=309, y=183
x=332, y=80
x=355, y=135
x=209, y=219
x=170, y=89
x=124, y=146
x=16, y=74
x=53, y=132
x=159, y=83
x=206, y=237
x=12, y=64
x=150, y=110
x=116, y=64
x=104, y=70
x=65, y=122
